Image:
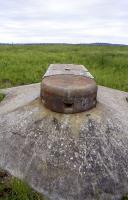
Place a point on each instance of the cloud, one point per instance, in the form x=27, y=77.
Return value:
x=64, y=21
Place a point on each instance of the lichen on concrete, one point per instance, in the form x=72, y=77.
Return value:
x=66, y=156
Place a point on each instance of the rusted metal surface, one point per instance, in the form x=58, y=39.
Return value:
x=68, y=89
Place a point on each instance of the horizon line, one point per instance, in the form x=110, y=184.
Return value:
x=46, y=43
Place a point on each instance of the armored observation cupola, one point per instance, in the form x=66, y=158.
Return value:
x=68, y=88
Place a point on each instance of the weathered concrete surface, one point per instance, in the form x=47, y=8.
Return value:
x=66, y=157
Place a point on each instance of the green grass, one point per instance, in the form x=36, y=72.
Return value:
x=21, y=65
x=14, y=189
x=1, y=97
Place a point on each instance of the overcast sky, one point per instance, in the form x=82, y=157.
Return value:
x=64, y=21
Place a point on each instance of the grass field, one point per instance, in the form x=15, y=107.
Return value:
x=21, y=65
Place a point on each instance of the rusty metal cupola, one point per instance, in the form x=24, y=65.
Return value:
x=68, y=88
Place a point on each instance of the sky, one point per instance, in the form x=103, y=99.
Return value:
x=63, y=21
